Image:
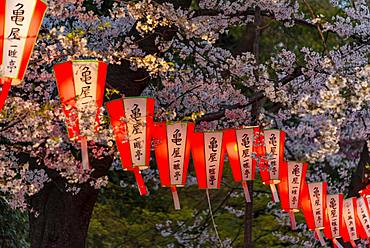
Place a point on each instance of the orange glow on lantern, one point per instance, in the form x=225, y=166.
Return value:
x=241, y=147
x=132, y=122
x=314, y=207
x=333, y=218
x=349, y=221
x=16, y=47
x=81, y=85
x=208, y=152
x=270, y=168
x=293, y=177
x=172, y=151
x=363, y=218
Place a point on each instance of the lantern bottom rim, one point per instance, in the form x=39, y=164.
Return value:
x=274, y=181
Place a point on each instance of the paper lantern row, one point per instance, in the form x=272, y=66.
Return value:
x=81, y=84
x=132, y=121
x=348, y=219
x=81, y=89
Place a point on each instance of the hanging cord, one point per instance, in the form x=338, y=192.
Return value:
x=213, y=220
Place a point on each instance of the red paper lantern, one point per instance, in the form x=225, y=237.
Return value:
x=208, y=151
x=20, y=24
x=270, y=168
x=314, y=207
x=172, y=151
x=81, y=85
x=333, y=218
x=365, y=192
x=349, y=221
x=241, y=145
x=293, y=175
x=132, y=122
x=363, y=218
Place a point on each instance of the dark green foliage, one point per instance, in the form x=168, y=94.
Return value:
x=13, y=227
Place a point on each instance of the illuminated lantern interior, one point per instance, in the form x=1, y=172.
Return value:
x=208, y=151
x=333, y=218
x=132, y=122
x=293, y=176
x=349, y=221
x=172, y=151
x=314, y=207
x=363, y=218
x=81, y=85
x=270, y=166
x=241, y=147
x=20, y=22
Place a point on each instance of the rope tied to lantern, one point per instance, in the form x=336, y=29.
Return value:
x=172, y=151
x=132, y=122
x=81, y=85
x=17, y=39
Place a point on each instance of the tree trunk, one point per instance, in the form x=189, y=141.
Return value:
x=248, y=214
x=63, y=219
x=358, y=180
x=59, y=218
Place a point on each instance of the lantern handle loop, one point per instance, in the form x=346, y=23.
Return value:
x=275, y=196
x=353, y=243
x=320, y=237
x=213, y=219
x=140, y=182
x=4, y=90
x=85, y=153
x=175, y=196
x=336, y=243
x=293, y=223
x=246, y=192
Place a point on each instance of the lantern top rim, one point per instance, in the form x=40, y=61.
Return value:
x=86, y=60
x=316, y=182
x=174, y=122
x=15, y=80
x=210, y=131
x=241, y=128
x=131, y=97
x=335, y=194
x=272, y=129
x=297, y=161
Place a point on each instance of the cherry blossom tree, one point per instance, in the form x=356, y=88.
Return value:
x=174, y=51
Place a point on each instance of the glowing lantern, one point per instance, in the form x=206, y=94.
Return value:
x=333, y=218
x=363, y=218
x=172, y=152
x=270, y=168
x=208, y=151
x=132, y=122
x=20, y=22
x=365, y=193
x=314, y=207
x=240, y=146
x=293, y=176
x=349, y=221
x=81, y=85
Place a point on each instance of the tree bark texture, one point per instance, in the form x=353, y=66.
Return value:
x=248, y=213
x=61, y=219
